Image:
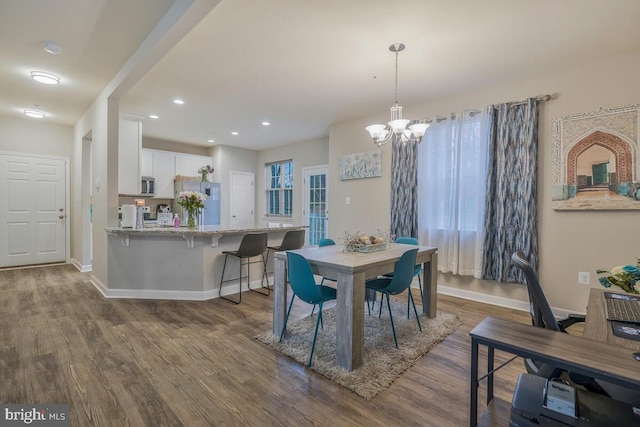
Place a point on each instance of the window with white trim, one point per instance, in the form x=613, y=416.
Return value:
x=279, y=191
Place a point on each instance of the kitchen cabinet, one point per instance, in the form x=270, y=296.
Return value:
x=129, y=147
x=146, y=162
x=188, y=164
x=164, y=173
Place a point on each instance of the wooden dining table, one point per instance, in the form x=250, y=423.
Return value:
x=352, y=269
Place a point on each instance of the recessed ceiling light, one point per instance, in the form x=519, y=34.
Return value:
x=234, y=133
x=210, y=140
x=46, y=78
x=153, y=116
x=265, y=123
x=51, y=47
x=34, y=113
x=178, y=101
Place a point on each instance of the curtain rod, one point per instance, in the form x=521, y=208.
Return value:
x=540, y=98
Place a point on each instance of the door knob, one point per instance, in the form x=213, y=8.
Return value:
x=61, y=216
x=61, y=209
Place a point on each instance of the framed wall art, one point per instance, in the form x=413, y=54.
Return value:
x=367, y=164
x=595, y=163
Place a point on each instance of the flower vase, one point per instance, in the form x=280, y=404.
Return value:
x=191, y=218
x=204, y=176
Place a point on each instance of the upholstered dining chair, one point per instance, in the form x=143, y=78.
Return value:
x=400, y=282
x=304, y=286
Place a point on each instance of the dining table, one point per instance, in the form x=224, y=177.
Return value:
x=352, y=270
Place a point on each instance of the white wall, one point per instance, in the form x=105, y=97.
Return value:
x=304, y=154
x=101, y=119
x=35, y=137
x=568, y=241
x=227, y=159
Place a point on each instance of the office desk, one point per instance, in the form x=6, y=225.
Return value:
x=595, y=359
x=597, y=327
x=351, y=270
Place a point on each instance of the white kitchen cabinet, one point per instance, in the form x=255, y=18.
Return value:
x=164, y=173
x=129, y=147
x=188, y=164
x=146, y=162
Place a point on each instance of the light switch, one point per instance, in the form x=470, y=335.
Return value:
x=347, y=200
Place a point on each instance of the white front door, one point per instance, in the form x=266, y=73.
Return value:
x=242, y=200
x=32, y=210
x=316, y=207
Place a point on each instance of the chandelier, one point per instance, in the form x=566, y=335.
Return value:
x=396, y=129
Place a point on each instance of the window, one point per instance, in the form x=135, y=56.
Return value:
x=280, y=188
x=451, y=179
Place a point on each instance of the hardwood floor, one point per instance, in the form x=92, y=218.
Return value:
x=175, y=363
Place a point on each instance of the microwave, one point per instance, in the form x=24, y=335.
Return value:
x=148, y=186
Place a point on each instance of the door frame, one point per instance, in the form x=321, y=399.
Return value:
x=305, y=206
x=67, y=194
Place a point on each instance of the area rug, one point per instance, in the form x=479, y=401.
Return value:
x=383, y=363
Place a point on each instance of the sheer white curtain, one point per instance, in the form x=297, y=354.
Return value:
x=452, y=175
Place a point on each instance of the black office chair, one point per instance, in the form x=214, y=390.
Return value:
x=252, y=245
x=293, y=239
x=542, y=317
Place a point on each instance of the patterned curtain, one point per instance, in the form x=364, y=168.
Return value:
x=511, y=221
x=404, y=190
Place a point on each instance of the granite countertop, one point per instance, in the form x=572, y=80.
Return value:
x=203, y=230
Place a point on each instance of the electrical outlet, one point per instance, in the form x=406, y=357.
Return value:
x=584, y=278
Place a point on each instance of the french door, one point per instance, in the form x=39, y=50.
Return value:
x=316, y=207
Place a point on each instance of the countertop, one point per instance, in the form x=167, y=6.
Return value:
x=203, y=230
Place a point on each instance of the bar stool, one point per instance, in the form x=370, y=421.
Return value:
x=293, y=239
x=252, y=245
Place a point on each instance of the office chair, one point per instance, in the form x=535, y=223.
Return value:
x=542, y=317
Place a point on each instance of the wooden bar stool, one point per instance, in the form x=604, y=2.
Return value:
x=252, y=245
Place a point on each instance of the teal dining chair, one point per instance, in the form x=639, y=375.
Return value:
x=304, y=287
x=400, y=282
x=416, y=271
x=326, y=242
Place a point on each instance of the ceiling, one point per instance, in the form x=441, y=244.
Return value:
x=299, y=65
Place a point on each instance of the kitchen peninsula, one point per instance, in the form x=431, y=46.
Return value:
x=179, y=263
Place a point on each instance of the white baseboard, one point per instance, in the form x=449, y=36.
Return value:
x=499, y=301
x=81, y=268
x=98, y=285
x=172, y=295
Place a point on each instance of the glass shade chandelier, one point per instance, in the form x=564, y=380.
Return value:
x=396, y=129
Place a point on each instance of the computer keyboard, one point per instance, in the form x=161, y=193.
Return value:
x=624, y=310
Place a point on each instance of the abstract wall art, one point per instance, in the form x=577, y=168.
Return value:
x=367, y=164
